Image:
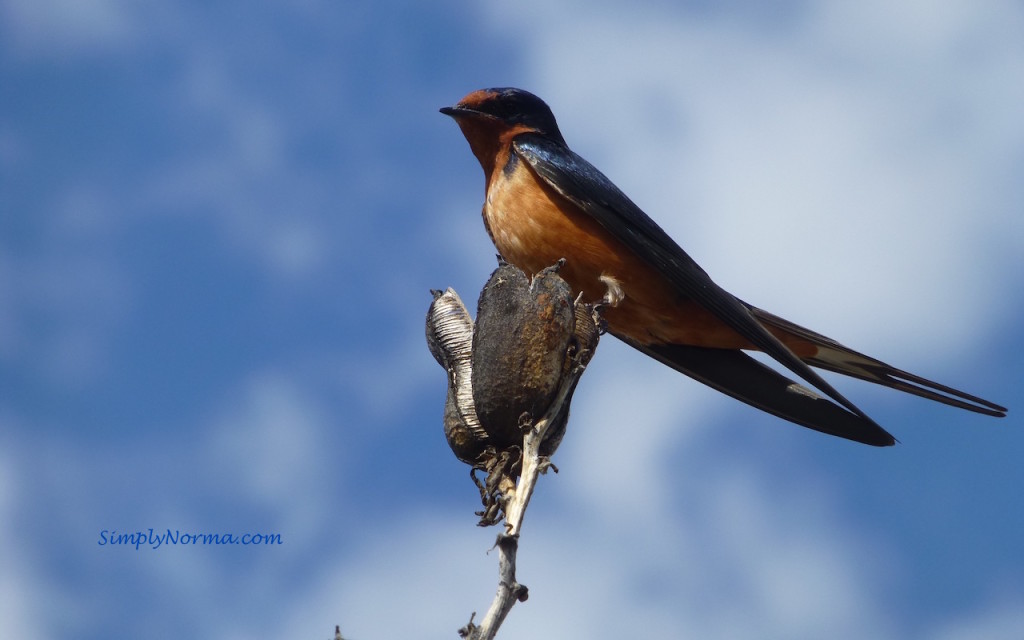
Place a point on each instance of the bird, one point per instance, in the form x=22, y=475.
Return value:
x=544, y=203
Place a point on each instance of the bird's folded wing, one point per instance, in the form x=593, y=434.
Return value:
x=582, y=184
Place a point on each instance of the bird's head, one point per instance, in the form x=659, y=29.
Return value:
x=490, y=118
x=507, y=108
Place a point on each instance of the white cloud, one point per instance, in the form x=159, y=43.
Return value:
x=80, y=293
x=240, y=178
x=268, y=446
x=67, y=27
x=420, y=577
x=626, y=415
x=1004, y=620
x=21, y=591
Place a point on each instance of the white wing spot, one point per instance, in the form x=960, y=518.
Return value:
x=614, y=295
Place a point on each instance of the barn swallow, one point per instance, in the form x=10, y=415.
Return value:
x=543, y=202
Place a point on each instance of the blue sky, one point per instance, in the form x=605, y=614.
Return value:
x=219, y=223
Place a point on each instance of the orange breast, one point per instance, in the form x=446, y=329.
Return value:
x=533, y=227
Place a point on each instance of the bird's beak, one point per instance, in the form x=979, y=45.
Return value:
x=459, y=111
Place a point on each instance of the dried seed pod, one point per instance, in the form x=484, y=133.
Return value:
x=588, y=329
x=523, y=332
x=586, y=333
x=530, y=343
x=450, y=339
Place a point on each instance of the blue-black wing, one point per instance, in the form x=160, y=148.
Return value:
x=731, y=372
